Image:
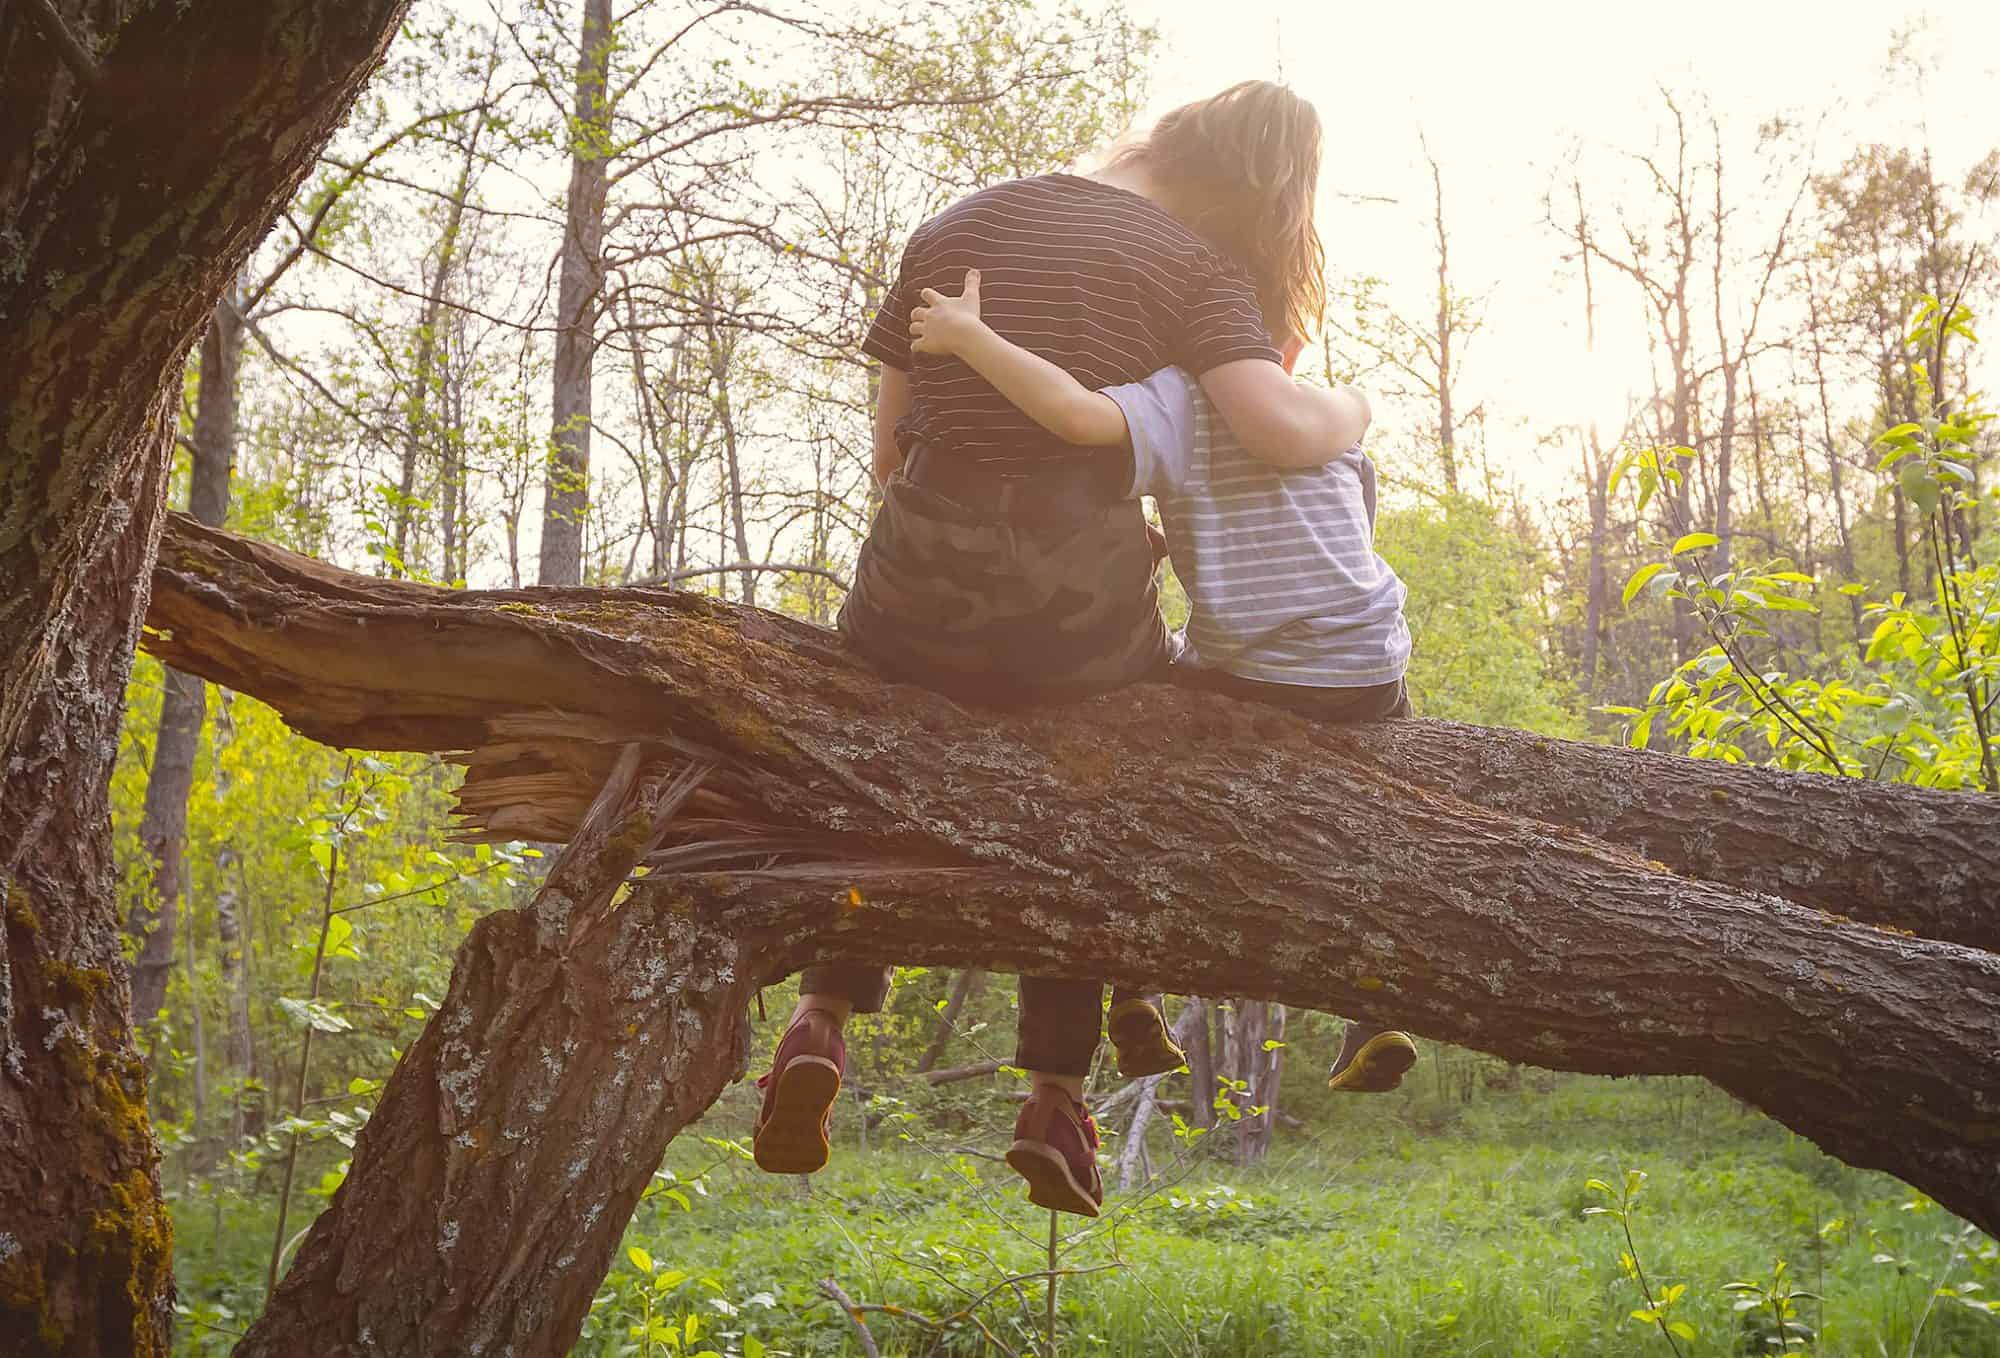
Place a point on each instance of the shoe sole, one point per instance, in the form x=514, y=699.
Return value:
x=1155, y=1062
x=1050, y=1182
x=1378, y=1067
x=793, y=1139
x=1154, y=1052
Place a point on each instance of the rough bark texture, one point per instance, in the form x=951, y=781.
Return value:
x=1106, y=830
x=118, y=229
x=501, y=1165
x=537, y=685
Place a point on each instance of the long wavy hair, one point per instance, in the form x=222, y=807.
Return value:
x=1241, y=169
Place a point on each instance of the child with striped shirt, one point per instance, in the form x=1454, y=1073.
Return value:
x=1289, y=602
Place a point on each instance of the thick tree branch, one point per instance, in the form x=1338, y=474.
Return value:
x=489, y=666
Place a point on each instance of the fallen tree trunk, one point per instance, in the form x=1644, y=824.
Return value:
x=1264, y=857
x=538, y=685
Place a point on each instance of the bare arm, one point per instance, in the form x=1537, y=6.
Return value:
x=892, y=402
x=1282, y=422
x=1044, y=392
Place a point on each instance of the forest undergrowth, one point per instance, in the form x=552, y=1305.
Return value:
x=1450, y=1218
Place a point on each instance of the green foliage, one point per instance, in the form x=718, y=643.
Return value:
x=1480, y=654
x=1917, y=704
x=1414, y=1225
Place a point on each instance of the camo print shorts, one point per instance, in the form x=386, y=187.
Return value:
x=1027, y=607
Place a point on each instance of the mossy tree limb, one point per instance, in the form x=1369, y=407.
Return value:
x=127, y=201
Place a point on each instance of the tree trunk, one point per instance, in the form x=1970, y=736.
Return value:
x=1266, y=1065
x=232, y=954
x=1834, y=462
x=1201, y=1063
x=133, y=182
x=184, y=698
x=1597, y=595
x=1017, y=841
x=721, y=354
x=963, y=987
x=574, y=1041
x=566, y=493
x=1447, y=443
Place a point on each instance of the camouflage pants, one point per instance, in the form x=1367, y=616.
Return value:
x=1020, y=608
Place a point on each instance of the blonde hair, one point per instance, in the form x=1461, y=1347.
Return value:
x=1241, y=169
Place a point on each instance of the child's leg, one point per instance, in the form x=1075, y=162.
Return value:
x=1055, y=1141
x=791, y=1135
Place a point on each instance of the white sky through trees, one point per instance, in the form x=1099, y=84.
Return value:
x=1506, y=94
x=1512, y=100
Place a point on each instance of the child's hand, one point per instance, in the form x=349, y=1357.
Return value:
x=945, y=325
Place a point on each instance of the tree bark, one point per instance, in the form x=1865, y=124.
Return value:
x=121, y=227
x=1025, y=840
x=476, y=666
x=566, y=493
x=1447, y=425
x=184, y=698
x=498, y=1170
x=232, y=951
x=1201, y=1062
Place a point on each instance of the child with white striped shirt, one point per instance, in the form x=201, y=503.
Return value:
x=1289, y=602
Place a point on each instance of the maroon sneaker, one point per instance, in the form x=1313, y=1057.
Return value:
x=1055, y=1150
x=799, y=1090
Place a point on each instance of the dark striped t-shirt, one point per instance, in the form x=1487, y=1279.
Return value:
x=1099, y=280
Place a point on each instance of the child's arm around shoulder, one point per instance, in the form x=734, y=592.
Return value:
x=1282, y=422
x=1045, y=393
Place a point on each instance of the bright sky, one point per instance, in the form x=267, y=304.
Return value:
x=1504, y=93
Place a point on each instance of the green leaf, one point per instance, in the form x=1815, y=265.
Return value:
x=1640, y=577
x=1683, y=1329
x=1920, y=486
x=339, y=938
x=640, y=1259
x=753, y=1347
x=1694, y=542
x=313, y=1014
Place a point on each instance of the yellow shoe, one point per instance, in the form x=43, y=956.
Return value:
x=1139, y=1035
x=1372, y=1060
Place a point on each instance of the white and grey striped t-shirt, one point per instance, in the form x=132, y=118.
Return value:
x=1279, y=565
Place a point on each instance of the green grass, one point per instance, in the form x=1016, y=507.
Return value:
x=1418, y=1223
